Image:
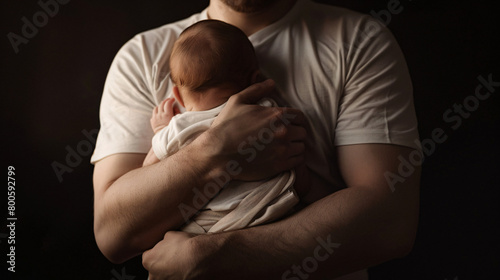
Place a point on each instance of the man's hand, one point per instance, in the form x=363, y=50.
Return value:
x=263, y=140
x=172, y=258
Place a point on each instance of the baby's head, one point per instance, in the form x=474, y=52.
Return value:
x=211, y=61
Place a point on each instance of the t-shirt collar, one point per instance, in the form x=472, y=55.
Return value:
x=262, y=35
x=268, y=31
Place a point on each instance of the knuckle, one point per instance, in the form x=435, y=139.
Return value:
x=281, y=132
x=278, y=112
x=234, y=99
x=145, y=260
x=257, y=87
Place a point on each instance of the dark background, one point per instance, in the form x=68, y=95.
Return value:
x=51, y=91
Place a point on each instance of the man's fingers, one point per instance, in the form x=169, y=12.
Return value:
x=296, y=134
x=290, y=162
x=289, y=124
x=296, y=149
x=146, y=259
x=255, y=92
x=294, y=116
x=145, y=255
x=295, y=120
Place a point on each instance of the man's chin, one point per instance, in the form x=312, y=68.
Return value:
x=248, y=6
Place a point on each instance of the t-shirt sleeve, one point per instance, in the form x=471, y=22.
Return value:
x=376, y=105
x=126, y=104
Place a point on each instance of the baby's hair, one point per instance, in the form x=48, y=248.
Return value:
x=212, y=53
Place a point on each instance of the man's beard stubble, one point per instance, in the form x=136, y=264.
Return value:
x=248, y=6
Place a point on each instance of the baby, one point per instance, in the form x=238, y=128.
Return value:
x=211, y=61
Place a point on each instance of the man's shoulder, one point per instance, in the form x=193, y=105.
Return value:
x=333, y=13
x=174, y=27
x=351, y=29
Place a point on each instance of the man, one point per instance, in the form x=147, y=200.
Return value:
x=348, y=76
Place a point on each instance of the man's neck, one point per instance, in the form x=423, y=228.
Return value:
x=249, y=22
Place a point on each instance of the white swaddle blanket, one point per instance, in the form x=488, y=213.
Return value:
x=239, y=204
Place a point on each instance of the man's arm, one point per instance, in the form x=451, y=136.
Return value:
x=134, y=206
x=357, y=227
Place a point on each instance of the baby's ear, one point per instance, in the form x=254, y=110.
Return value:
x=178, y=96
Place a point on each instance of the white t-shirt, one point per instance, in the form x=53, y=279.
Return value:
x=350, y=81
x=344, y=70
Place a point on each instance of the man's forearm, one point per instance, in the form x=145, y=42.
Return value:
x=136, y=210
x=349, y=230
